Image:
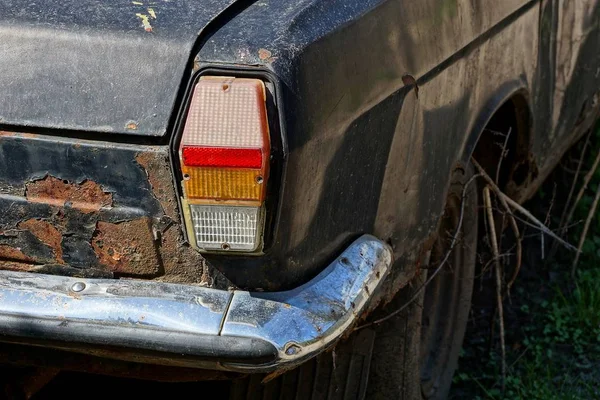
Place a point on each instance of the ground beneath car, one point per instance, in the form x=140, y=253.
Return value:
x=552, y=320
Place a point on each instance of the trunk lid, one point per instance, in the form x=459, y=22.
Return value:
x=100, y=66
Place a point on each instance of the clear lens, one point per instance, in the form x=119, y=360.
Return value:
x=227, y=112
x=226, y=227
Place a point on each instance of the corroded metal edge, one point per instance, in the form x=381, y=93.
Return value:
x=238, y=331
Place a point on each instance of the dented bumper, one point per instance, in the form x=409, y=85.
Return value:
x=217, y=329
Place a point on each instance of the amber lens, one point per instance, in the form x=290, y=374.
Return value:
x=223, y=183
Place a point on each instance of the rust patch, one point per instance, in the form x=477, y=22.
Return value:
x=13, y=254
x=158, y=171
x=126, y=248
x=47, y=234
x=264, y=54
x=409, y=80
x=181, y=263
x=86, y=196
x=17, y=266
x=18, y=134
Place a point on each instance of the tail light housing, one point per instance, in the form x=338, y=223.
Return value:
x=224, y=155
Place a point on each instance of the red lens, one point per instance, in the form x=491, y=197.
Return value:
x=221, y=157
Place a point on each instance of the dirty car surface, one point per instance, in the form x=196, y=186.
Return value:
x=370, y=107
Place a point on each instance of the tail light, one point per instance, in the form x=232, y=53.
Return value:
x=224, y=156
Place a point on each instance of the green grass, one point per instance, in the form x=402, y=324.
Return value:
x=554, y=356
x=553, y=321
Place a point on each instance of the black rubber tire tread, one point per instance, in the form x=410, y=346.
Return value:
x=397, y=359
x=341, y=374
x=395, y=364
x=452, y=289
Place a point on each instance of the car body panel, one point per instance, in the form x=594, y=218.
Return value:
x=376, y=115
x=577, y=66
x=344, y=118
x=110, y=67
x=92, y=209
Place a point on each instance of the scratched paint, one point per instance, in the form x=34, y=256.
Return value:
x=148, y=14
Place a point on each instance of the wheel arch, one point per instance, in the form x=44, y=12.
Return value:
x=509, y=112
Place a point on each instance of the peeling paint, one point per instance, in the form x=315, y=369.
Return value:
x=86, y=196
x=22, y=245
x=127, y=247
x=181, y=263
x=47, y=234
x=145, y=21
x=13, y=254
x=161, y=180
x=266, y=55
x=117, y=218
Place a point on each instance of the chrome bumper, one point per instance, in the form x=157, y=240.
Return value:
x=236, y=331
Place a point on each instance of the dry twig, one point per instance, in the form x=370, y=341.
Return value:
x=586, y=181
x=575, y=179
x=518, y=207
x=439, y=267
x=512, y=221
x=586, y=227
x=503, y=155
x=494, y=244
x=515, y=229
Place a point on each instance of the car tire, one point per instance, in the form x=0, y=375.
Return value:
x=416, y=352
x=412, y=355
x=447, y=299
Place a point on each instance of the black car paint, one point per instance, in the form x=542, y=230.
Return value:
x=364, y=153
x=87, y=65
x=342, y=195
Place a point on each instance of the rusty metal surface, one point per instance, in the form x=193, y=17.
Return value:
x=91, y=209
x=86, y=196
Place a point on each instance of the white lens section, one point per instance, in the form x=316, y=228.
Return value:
x=226, y=228
x=232, y=117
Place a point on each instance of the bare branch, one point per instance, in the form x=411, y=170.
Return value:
x=515, y=229
x=586, y=181
x=438, y=269
x=575, y=179
x=502, y=155
x=520, y=208
x=586, y=227
x=494, y=244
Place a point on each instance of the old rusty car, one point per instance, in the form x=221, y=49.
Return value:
x=255, y=190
